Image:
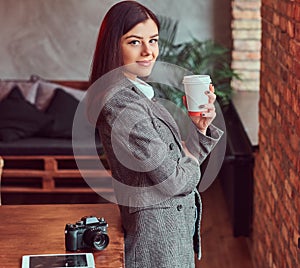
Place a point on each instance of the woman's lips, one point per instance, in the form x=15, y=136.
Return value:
x=144, y=63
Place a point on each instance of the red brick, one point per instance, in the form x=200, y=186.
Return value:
x=297, y=87
x=268, y=43
x=276, y=19
x=270, y=259
x=294, y=251
x=295, y=105
x=294, y=48
x=282, y=7
x=291, y=29
x=284, y=39
x=293, y=178
x=284, y=232
x=297, y=126
x=288, y=188
x=276, y=98
x=290, y=155
x=297, y=12
x=287, y=96
x=277, y=165
x=283, y=23
x=295, y=141
x=297, y=31
x=296, y=68
x=270, y=3
x=290, y=10
x=274, y=193
x=273, y=32
x=266, y=14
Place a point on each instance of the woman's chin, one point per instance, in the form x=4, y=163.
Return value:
x=145, y=71
x=144, y=74
x=140, y=71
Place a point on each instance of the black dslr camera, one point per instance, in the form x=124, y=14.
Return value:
x=88, y=233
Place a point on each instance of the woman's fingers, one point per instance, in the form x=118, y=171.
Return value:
x=209, y=114
x=211, y=96
x=208, y=106
x=211, y=110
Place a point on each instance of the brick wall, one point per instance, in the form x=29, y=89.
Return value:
x=246, y=35
x=276, y=224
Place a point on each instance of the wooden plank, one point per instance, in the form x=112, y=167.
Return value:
x=78, y=84
x=56, y=190
x=22, y=173
x=26, y=173
x=62, y=157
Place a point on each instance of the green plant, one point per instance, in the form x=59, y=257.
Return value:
x=199, y=57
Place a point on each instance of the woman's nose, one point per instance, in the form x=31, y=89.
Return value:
x=146, y=50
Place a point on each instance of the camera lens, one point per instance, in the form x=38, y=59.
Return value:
x=96, y=239
x=100, y=241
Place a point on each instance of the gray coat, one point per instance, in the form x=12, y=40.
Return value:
x=155, y=183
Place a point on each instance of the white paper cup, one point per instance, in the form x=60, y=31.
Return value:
x=195, y=87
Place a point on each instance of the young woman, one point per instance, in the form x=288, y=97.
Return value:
x=155, y=174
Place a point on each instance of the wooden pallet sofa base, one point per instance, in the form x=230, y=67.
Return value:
x=47, y=173
x=52, y=179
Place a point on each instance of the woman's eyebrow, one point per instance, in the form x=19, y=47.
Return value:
x=155, y=35
x=140, y=37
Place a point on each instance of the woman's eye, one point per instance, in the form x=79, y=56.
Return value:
x=154, y=40
x=134, y=42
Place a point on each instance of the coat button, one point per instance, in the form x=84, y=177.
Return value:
x=171, y=146
x=154, y=99
x=179, y=207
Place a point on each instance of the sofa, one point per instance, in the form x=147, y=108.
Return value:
x=36, y=120
x=39, y=165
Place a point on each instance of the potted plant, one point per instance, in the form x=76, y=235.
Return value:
x=199, y=57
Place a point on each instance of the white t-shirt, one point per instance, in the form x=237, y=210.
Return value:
x=146, y=89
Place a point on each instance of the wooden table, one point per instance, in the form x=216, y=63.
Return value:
x=39, y=229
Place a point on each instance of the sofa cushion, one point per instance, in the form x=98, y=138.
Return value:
x=19, y=118
x=46, y=91
x=62, y=109
x=47, y=146
x=29, y=89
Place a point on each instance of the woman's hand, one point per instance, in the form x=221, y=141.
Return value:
x=203, y=121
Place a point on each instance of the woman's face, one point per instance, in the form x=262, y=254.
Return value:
x=139, y=49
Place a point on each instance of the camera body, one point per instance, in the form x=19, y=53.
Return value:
x=88, y=233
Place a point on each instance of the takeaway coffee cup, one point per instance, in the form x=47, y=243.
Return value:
x=195, y=87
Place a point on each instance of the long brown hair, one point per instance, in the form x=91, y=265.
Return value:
x=119, y=20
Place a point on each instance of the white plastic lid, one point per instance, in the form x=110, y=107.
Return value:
x=193, y=79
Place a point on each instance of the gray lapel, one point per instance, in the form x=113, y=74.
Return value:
x=162, y=113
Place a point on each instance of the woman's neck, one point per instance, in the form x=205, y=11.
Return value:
x=130, y=76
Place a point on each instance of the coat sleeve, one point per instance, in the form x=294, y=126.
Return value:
x=201, y=145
